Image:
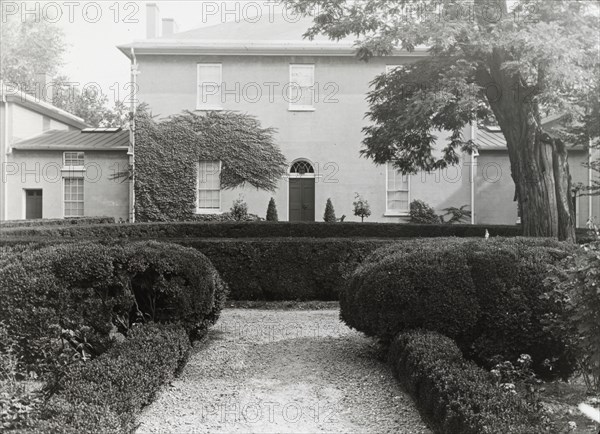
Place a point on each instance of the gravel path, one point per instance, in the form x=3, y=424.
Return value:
x=266, y=371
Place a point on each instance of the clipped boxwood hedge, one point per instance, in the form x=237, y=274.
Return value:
x=105, y=394
x=82, y=293
x=284, y=268
x=263, y=230
x=485, y=294
x=56, y=222
x=454, y=394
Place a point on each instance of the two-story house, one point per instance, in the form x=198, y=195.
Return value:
x=314, y=93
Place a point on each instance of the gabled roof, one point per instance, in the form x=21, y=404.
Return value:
x=275, y=34
x=76, y=141
x=35, y=104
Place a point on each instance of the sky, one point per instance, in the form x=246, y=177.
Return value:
x=93, y=29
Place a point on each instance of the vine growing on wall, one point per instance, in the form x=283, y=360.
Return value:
x=167, y=153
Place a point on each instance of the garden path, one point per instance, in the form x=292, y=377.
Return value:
x=283, y=371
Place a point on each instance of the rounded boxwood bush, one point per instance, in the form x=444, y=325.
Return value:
x=69, y=301
x=485, y=294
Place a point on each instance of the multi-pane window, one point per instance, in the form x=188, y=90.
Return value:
x=209, y=186
x=73, y=159
x=301, y=89
x=210, y=81
x=73, y=197
x=398, y=191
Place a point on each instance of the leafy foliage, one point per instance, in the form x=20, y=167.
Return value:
x=28, y=47
x=239, y=210
x=362, y=208
x=455, y=394
x=272, y=211
x=67, y=303
x=485, y=294
x=89, y=104
x=168, y=153
x=457, y=215
x=420, y=212
x=577, y=288
x=329, y=215
x=33, y=46
x=104, y=395
x=510, y=61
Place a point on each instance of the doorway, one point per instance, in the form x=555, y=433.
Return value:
x=33, y=204
x=302, y=192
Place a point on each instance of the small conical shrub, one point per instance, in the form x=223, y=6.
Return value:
x=329, y=215
x=272, y=211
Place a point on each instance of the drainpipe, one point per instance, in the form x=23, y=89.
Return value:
x=131, y=151
x=4, y=152
x=472, y=177
x=590, y=179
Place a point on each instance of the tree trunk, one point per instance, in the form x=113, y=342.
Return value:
x=539, y=165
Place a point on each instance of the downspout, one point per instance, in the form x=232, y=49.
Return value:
x=4, y=153
x=472, y=175
x=590, y=179
x=131, y=151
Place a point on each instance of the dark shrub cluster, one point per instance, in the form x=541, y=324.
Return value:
x=105, y=394
x=263, y=229
x=284, y=268
x=485, y=294
x=68, y=302
x=454, y=394
x=56, y=222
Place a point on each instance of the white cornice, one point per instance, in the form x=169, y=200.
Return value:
x=254, y=48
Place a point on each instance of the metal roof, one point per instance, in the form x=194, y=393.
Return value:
x=76, y=140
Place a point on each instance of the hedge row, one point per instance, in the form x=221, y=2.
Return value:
x=263, y=230
x=454, y=394
x=105, y=394
x=56, y=222
x=71, y=300
x=284, y=268
x=488, y=295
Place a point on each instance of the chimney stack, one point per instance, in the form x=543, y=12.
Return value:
x=43, y=87
x=152, y=21
x=169, y=27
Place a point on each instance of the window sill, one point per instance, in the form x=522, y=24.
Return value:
x=209, y=211
x=73, y=169
x=396, y=214
x=301, y=109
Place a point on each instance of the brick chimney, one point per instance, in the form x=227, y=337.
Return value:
x=152, y=21
x=169, y=26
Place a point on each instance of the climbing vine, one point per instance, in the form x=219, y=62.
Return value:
x=167, y=153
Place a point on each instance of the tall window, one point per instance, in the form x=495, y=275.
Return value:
x=398, y=191
x=209, y=86
x=301, y=89
x=73, y=159
x=73, y=197
x=209, y=186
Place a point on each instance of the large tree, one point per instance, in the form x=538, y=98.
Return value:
x=30, y=47
x=512, y=61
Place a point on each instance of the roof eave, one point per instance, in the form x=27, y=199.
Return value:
x=16, y=147
x=30, y=102
x=228, y=48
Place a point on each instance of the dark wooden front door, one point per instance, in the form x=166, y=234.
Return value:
x=302, y=199
x=33, y=204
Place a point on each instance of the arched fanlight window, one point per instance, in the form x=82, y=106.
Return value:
x=301, y=167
